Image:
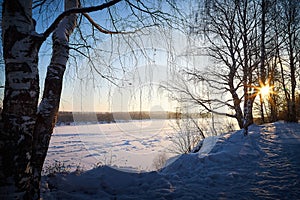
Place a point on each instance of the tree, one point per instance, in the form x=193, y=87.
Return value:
x=248, y=41
x=283, y=58
x=291, y=30
x=229, y=30
x=27, y=125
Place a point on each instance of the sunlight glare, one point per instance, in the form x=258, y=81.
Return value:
x=265, y=91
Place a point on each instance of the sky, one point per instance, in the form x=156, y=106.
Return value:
x=124, y=58
x=136, y=65
x=137, y=87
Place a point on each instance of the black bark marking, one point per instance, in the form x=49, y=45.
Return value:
x=11, y=36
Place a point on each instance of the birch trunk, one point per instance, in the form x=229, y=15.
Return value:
x=48, y=108
x=25, y=130
x=262, y=56
x=292, y=116
x=248, y=114
x=236, y=102
x=20, y=48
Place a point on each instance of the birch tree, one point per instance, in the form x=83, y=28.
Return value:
x=291, y=33
x=247, y=41
x=229, y=29
x=27, y=125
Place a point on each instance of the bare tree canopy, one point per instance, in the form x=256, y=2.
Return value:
x=254, y=47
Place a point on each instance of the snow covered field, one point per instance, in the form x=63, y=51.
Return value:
x=133, y=144
x=130, y=144
x=263, y=165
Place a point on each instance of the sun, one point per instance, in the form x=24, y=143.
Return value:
x=265, y=91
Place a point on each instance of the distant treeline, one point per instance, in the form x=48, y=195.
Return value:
x=107, y=117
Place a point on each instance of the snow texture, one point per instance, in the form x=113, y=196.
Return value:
x=265, y=164
x=132, y=144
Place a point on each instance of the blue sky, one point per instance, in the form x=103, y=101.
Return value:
x=136, y=64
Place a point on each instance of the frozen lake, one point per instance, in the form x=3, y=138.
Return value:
x=132, y=144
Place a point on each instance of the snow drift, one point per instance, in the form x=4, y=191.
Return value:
x=263, y=165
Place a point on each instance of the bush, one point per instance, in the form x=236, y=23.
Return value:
x=159, y=161
x=186, y=137
x=55, y=168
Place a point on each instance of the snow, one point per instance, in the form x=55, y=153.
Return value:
x=265, y=164
x=207, y=145
x=128, y=144
x=132, y=144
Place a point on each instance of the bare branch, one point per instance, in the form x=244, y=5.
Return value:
x=52, y=27
x=101, y=29
x=38, y=3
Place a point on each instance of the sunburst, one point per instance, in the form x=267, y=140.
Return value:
x=265, y=90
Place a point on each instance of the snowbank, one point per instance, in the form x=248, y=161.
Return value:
x=264, y=164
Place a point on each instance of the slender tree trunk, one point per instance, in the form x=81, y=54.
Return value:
x=245, y=60
x=48, y=108
x=291, y=45
x=262, y=56
x=292, y=101
x=248, y=114
x=237, y=106
x=273, y=97
x=273, y=108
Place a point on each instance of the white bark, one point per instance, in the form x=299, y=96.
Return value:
x=49, y=105
x=20, y=51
